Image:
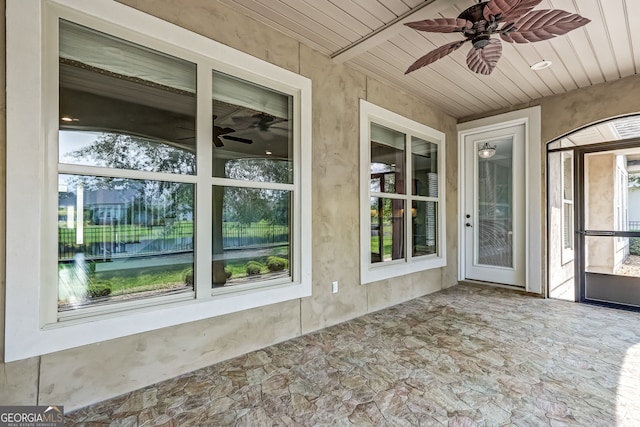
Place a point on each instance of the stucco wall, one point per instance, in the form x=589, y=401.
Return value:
x=564, y=113
x=84, y=375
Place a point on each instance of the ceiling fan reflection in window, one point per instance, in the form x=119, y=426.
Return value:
x=514, y=21
x=219, y=133
x=262, y=121
x=245, y=125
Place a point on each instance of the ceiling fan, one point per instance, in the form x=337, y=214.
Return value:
x=513, y=20
x=220, y=133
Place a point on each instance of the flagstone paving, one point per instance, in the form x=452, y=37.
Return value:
x=466, y=356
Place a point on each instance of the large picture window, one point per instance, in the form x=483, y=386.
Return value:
x=123, y=109
x=171, y=182
x=253, y=182
x=402, y=199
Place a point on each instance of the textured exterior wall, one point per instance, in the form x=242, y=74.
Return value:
x=565, y=113
x=562, y=114
x=88, y=374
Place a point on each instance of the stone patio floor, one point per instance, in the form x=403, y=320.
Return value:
x=466, y=356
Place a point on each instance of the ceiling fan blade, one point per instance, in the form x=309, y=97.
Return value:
x=218, y=131
x=434, y=55
x=484, y=60
x=519, y=11
x=543, y=24
x=440, y=25
x=238, y=139
x=218, y=142
x=508, y=10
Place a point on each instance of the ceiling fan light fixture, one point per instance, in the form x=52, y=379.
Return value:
x=488, y=23
x=487, y=151
x=541, y=65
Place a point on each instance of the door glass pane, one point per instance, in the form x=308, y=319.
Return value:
x=387, y=229
x=252, y=131
x=424, y=163
x=387, y=160
x=122, y=239
x=495, y=205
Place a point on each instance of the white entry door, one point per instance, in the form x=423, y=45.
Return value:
x=494, y=206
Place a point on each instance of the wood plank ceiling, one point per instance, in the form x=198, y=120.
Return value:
x=369, y=35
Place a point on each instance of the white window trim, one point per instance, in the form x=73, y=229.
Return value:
x=28, y=331
x=567, y=253
x=621, y=204
x=371, y=113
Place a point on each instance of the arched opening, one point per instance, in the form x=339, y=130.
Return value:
x=593, y=214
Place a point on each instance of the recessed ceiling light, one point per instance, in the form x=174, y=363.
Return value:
x=268, y=152
x=68, y=119
x=541, y=65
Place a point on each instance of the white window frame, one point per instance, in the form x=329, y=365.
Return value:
x=621, y=193
x=567, y=252
x=372, y=272
x=32, y=325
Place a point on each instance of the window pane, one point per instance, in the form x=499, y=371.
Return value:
x=387, y=160
x=252, y=131
x=387, y=229
x=122, y=239
x=424, y=220
x=567, y=174
x=567, y=229
x=121, y=151
x=251, y=239
x=123, y=105
x=424, y=163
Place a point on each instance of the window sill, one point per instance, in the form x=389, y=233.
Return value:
x=375, y=273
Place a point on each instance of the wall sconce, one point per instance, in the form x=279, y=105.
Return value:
x=487, y=151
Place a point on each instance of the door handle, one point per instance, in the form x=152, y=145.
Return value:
x=468, y=225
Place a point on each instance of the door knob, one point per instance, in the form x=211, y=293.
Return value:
x=468, y=225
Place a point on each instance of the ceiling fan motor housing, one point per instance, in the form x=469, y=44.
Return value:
x=481, y=41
